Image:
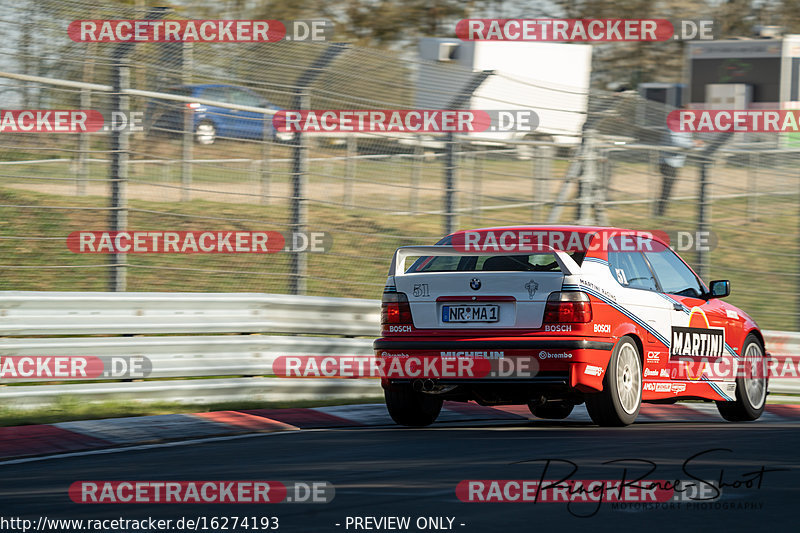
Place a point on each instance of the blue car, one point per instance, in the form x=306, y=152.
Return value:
x=212, y=122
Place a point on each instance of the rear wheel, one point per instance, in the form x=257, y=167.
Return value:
x=552, y=410
x=205, y=132
x=751, y=388
x=408, y=407
x=619, y=402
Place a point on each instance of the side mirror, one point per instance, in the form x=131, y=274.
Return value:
x=719, y=288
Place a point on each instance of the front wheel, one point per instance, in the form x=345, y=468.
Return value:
x=751, y=387
x=619, y=402
x=408, y=407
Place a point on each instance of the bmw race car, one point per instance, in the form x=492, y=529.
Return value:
x=605, y=316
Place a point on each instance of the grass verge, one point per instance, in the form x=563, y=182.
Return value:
x=67, y=409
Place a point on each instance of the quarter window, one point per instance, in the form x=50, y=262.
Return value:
x=631, y=270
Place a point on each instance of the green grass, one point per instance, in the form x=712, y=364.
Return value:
x=67, y=409
x=753, y=254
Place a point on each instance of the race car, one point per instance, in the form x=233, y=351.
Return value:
x=604, y=316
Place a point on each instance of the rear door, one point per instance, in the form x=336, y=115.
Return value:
x=223, y=118
x=247, y=124
x=167, y=115
x=640, y=301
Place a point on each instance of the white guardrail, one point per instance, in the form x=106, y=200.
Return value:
x=782, y=344
x=187, y=335
x=220, y=337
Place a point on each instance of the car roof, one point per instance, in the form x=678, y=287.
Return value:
x=210, y=86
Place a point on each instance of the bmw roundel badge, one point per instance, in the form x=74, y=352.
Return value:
x=475, y=284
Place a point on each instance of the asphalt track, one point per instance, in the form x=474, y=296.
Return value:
x=393, y=471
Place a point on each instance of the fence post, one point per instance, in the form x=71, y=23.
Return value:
x=653, y=173
x=477, y=185
x=450, y=188
x=416, y=171
x=587, y=181
x=187, y=139
x=797, y=324
x=266, y=162
x=350, y=169
x=542, y=157
x=703, y=217
x=119, y=144
x=752, y=186
x=299, y=216
x=83, y=147
x=704, y=160
x=461, y=100
x=601, y=189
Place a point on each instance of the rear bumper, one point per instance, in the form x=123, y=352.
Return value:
x=481, y=345
x=579, y=363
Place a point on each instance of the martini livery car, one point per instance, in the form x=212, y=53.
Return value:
x=553, y=317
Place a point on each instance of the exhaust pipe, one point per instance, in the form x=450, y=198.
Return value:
x=424, y=385
x=537, y=401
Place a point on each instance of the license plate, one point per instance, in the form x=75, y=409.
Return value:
x=470, y=313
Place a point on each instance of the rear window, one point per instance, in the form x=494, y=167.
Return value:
x=542, y=262
x=219, y=94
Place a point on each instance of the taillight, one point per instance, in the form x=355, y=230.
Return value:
x=193, y=105
x=395, y=308
x=570, y=306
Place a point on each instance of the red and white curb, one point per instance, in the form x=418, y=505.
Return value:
x=65, y=437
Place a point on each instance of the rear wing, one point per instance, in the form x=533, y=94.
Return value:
x=398, y=266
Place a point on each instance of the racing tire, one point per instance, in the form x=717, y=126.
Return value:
x=619, y=402
x=552, y=410
x=751, y=392
x=205, y=133
x=408, y=407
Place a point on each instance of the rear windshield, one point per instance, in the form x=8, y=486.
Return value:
x=541, y=262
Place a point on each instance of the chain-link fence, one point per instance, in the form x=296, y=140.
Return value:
x=224, y=167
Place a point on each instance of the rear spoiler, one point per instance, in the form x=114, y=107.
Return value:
x=398, y=266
